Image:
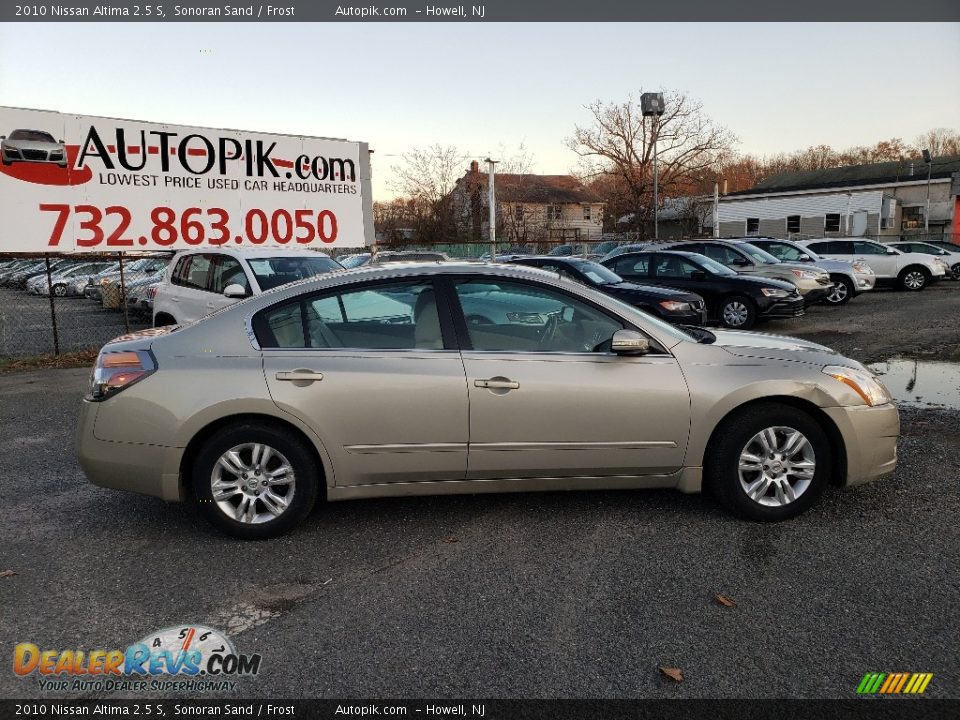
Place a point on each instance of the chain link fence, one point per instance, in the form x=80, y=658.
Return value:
x=64, y=303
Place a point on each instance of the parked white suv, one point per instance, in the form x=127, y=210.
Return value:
x=199, y=282
x=906, y=270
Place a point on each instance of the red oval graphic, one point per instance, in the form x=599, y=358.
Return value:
x=47, y=173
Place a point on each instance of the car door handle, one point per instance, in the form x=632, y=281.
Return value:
x=294, y=375
x=497, y=384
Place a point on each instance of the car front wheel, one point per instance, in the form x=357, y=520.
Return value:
x=914, y=278
x=768, y=462
x=738, y=313
x=955, y=271
x=254, y=481
x=841, y=292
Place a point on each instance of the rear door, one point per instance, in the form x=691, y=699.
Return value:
x=375, y=371
x=189, y=287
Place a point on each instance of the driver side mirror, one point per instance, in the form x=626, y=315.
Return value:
x=740, y=262
x=804, y=258
x=235, y=291
x=567, y=314
x=629, y=342
x=892, y=251
x=698, y=275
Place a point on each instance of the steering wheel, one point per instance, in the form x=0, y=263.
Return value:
x=549, y=329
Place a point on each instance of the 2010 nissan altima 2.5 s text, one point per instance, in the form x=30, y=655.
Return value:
x=371, y=383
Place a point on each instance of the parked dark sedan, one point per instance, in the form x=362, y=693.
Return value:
x=734, y=300
x=675, y=306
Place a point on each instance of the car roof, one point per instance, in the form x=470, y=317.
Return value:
x=253, y=252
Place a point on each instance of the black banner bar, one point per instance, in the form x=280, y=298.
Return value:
x=486, y=11
x=898, y=708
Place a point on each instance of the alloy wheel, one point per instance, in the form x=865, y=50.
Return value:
x=253, y=483
x=777, y=466
x=914, y=280
x=838, y=293
x=735, y=313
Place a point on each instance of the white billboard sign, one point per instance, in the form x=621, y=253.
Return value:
x=80, y=183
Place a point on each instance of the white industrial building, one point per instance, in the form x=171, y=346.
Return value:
x=882, y=200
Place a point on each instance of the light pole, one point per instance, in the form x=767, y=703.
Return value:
x=651, y=105
x=492, y=200
x=926, y=215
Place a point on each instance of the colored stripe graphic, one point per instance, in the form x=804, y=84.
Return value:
x=894, y=683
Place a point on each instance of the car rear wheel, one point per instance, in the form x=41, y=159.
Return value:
x=738, y=312
x=955, y=270
x=769, y=462
x=914, y=278
x=841, y=292
x=255, y=482
x=60, y=290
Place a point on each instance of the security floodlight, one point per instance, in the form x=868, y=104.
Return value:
x=926, y=156
x=651, y=104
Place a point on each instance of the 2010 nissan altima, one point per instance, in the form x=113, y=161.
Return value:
x=371, y=383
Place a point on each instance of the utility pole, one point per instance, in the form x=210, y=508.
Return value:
x=651, y=105
x=926, y=215
x=716, y=210
x=492, y=199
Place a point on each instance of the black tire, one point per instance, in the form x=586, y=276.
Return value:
x=842, y=291
x=722, y=461
x=955, y=270
x=914, y=278
x=60, y=290
x=304, y=490
x=740, y=307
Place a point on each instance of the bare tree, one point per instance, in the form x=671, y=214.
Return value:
x=939, y=141
x=619, y=142
x=426, y=177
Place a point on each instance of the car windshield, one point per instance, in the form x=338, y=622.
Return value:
x=355, y=261
x=272, y=272
x=599, y=274
x=758, y=254
x=714, y=267
x=36, y=135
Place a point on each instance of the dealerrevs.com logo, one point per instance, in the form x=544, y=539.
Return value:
x=190, y=658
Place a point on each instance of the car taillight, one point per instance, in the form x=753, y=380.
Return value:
x=116, y=371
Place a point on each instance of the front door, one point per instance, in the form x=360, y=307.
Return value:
x=369, y=370
x=548, y=398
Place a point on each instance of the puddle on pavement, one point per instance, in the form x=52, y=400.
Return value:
x=921, y=383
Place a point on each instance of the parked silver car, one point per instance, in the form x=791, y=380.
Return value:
x=371, y=383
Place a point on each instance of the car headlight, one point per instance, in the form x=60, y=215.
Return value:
x=775, y=292
x=805, y=274
x=674, y=306
x=862, y=267
x=863, y=382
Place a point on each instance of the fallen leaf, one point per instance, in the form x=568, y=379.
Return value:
x=724, y=600
x=675, y=674
x=451, y=539
x=7, y=573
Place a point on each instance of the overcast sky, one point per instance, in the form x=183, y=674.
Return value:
x=778, y=87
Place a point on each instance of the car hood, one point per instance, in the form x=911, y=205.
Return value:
x=662, y=293
x=777, y=347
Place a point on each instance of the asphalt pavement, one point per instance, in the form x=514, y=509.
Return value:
x=526, y=596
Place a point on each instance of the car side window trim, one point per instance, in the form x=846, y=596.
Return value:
x=466, y=345
x=255, y=328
